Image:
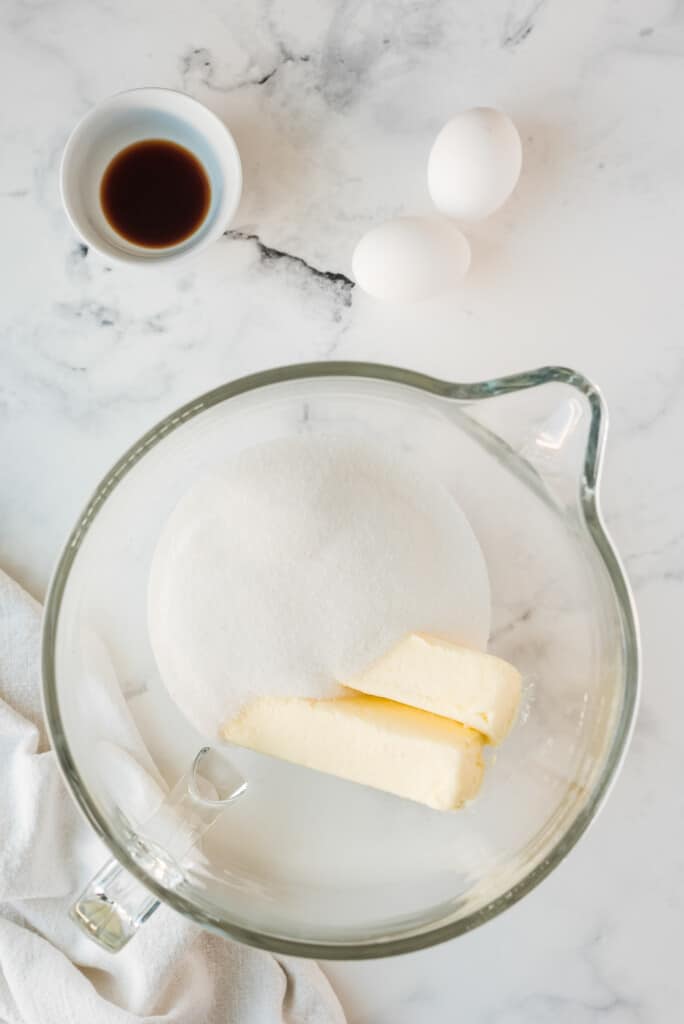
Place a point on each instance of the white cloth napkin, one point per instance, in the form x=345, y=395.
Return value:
x=172, y=971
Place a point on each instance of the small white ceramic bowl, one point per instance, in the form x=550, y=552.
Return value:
x=130, y=117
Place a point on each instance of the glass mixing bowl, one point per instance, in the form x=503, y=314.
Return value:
x=305, y=863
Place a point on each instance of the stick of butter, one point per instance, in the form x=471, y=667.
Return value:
x=471, y=687
x=364, y=739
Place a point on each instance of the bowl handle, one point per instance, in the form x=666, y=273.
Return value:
x=115, y=904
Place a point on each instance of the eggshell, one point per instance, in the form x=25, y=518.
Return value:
x=410, y=258
x=474, y=164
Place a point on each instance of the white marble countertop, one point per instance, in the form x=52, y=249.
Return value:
x=334, y=106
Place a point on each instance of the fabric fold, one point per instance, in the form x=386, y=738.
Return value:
x=173, y=971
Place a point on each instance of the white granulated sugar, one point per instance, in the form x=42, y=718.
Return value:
x=304, y=560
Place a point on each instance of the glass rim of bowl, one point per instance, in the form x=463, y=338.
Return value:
x=420, y=936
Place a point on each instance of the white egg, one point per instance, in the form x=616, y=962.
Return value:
x=410, y=258
x=474, y=164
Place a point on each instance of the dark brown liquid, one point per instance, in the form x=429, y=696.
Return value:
x=155, y=193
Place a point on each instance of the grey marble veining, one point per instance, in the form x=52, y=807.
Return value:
x=334, y=106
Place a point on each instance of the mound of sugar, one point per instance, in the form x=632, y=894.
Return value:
x=304, y=560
